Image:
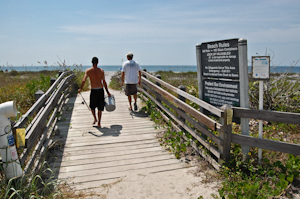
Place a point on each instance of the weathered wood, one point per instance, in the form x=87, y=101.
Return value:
x=41, y=146
x=39, y=113
x=266, y=144
x=125, y=143
x=37, y=151
x=53, y=86
x=181, y=87
x=225, y=135
x=212, y=149
x=203, y=130
x=158, y=84
x=34, y=127
x=35, y=131
x=190, y=110
x=275, y=116
x=38, y=104
x=196, y=100
x=226, y=131
x=194, y=145
x=36, y=107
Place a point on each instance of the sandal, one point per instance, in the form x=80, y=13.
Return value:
x=135, y=106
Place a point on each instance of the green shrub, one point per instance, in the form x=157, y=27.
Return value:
x=244, y=178
x=41, y=185
x=13, y=73
x=115, y=82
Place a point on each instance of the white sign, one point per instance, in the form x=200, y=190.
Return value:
x=261, y=67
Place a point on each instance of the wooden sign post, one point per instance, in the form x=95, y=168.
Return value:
x=261, y=72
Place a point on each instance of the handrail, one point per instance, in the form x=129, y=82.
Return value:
x=198, y=115
x=37, y=132
x=203, y=104
x=155, y=93
x=275, y=116
x=201, y=122
x=39, y=103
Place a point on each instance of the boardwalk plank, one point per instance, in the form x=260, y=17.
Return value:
x=67, y=163
x=95, y=156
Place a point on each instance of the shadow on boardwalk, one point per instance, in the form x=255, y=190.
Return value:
x=123, y=150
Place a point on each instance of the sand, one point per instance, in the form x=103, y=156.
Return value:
x=177, y=184
x=108, y=75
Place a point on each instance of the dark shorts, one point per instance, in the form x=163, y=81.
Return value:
x=130, y=89
x=97, y=99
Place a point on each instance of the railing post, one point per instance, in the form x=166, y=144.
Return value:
x=158, y=84
x=244, y=88
x=226, y=134
x=52, y=80
x=38, y=94
x=145, y=70
x=181, y=87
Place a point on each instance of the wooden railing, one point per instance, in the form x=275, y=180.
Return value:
x=201, y=126
x=274, y=116
x=39, y=130
x=185, y=113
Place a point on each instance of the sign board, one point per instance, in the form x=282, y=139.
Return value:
x=261, y=67
x=218, y=92
x=220, y=59
x=220, y=72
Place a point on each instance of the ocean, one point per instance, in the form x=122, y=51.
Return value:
x=150, y=68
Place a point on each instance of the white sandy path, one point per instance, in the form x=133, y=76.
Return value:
x=176, y=184
x=108, y=75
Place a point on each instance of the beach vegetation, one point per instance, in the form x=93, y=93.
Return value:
x=29, y=186
x=115, y=81
x=40, y=185
x=21, y=86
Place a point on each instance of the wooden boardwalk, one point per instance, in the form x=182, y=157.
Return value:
x=126, y=143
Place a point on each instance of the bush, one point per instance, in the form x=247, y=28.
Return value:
x=13, y=73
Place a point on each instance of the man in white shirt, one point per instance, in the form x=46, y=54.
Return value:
x=131, y=70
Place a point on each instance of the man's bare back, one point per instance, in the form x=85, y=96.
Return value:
x=96, y=76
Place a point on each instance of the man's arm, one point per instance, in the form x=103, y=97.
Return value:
x=105, y=85
x=83, y=81
x=122, y=79
x=140, y=76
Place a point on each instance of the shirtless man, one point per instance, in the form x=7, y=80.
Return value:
x=97, y=79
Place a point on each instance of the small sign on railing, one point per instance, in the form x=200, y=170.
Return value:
x=20, y=137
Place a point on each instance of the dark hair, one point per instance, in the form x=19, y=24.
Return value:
x=95, y=60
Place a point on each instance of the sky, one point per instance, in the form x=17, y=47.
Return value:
x=158, y=32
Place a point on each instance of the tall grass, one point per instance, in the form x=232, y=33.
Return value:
x=21, y=87
x=28, y=186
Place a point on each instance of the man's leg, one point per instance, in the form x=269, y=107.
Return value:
x=135, y=99
x=92, y=104
x=129, y=100
x=95, y=119
x=99, y=118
